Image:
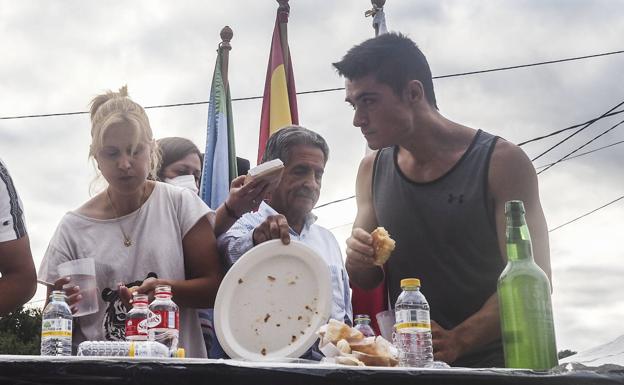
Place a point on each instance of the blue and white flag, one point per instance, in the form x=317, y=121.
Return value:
x=220, y=155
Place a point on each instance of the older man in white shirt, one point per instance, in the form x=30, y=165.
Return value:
x=286, y=214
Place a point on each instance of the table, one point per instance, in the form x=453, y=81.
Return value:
x=116, y=370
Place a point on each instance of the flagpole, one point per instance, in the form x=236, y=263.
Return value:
x=225, y=47
x=377, y=7
x=283, y=11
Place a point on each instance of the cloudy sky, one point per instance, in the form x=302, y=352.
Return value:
x=58, y=54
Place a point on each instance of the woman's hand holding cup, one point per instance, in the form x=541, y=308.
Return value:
x=71, y=291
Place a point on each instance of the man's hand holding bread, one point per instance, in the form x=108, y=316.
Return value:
x=367, y=250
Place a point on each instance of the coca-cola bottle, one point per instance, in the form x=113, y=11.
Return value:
x=163, y=321
x=136, y=319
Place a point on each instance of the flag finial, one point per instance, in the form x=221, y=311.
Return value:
x=226, y=37
x=378, y=3
x=377, y=6
x=283, y=5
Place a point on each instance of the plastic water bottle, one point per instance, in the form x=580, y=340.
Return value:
x=56, y=326
x=125, y=349
x=362, y=323
x=413, y=326
x=136, y=319
x=164, y=318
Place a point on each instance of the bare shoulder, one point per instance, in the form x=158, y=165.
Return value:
x=510, y=168
x=366, y=165
x=507, y=153
x=365, y=173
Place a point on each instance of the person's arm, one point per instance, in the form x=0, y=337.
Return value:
x=237, y=240
x=19, y=280
x=241, y=199
x=202, y=270
x=511, y=176
x=360, y=253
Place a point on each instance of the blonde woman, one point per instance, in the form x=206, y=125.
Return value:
x=139, y=232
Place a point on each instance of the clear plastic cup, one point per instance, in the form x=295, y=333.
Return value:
x=82, y=274
x=385, y=320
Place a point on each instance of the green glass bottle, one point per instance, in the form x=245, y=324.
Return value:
x=527, y=326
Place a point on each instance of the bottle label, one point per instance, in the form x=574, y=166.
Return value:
x=163, y=319
x=56, y=328
x=136, y=327
x=412, y=320
x=139, y=350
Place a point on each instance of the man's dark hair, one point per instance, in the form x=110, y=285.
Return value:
x=281, y=142
x=393, y=59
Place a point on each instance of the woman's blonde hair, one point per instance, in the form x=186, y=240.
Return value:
x=113, y=108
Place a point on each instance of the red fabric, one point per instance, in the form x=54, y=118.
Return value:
x=369, y=302
x=276, y=57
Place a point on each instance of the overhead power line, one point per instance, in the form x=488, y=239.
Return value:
x=568, y=128
x=339, y=226
x=332, y=89
x=336, y=201
x=582, y=154
x=586, y=214
x=529, y=65
x=575, y=132
x=582, y=146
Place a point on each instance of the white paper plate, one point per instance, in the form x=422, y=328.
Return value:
x=272, y=301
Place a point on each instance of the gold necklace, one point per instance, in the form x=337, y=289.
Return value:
x=127, y=240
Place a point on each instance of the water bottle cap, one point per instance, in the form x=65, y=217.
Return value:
x=364, y=317
x=410, y=282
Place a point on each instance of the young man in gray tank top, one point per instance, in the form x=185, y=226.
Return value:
x=439, y=188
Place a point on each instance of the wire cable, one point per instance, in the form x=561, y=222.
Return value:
x=586, y=214
x=568, y=128
x=575, y=132
x=339, y=226
x=583, y=146
x=582, y=154
x=529, y=65
x=336, y=201
x=331, y=89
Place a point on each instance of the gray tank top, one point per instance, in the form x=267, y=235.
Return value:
x=444, y=230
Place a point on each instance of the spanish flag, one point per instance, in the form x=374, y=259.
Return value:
x=279, y=104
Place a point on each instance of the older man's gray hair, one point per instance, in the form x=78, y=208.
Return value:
x=280, y=143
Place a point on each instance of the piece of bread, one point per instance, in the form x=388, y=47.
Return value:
x=348, y=360
x=375, y=360
x=383, y=245
x=344, y=347
x=367, y=345
x=337, y=331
